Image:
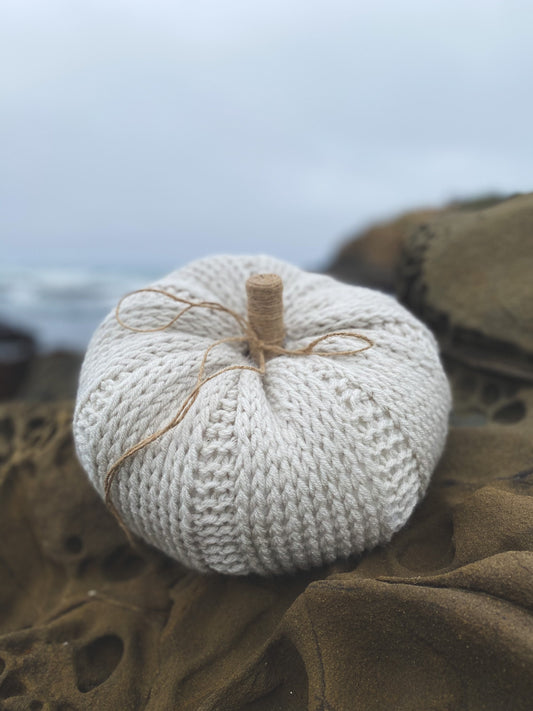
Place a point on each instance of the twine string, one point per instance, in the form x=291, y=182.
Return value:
x=255, y=344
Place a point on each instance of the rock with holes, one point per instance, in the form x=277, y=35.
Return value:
x=319, y=457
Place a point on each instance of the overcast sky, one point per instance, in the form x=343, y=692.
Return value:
x=152, y=132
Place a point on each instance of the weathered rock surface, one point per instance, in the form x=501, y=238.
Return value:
x=371, y=257
x=440, y=618
x=469, y=276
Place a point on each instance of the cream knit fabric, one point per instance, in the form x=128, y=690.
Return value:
x=318, y=459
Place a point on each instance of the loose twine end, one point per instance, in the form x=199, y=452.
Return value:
x=264, y=332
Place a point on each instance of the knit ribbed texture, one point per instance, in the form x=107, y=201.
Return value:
x=318, y=459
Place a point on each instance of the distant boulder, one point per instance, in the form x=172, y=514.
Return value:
x=17, y=349
x=372, y=256
x=468, y=275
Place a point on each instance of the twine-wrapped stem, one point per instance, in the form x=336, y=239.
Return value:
x=265, y=313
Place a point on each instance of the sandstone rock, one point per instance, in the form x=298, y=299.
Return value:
x=439, y=618
x=469, y=276
x=371, y=257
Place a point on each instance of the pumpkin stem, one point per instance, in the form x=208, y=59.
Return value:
x=265, y=312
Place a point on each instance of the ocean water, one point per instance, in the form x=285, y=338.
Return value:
x=62, y=306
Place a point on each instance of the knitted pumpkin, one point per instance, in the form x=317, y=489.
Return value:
x=298, y=456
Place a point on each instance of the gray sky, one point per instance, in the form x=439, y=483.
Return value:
x=155, y=132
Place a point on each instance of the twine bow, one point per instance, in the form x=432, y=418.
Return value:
x=255, y=344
